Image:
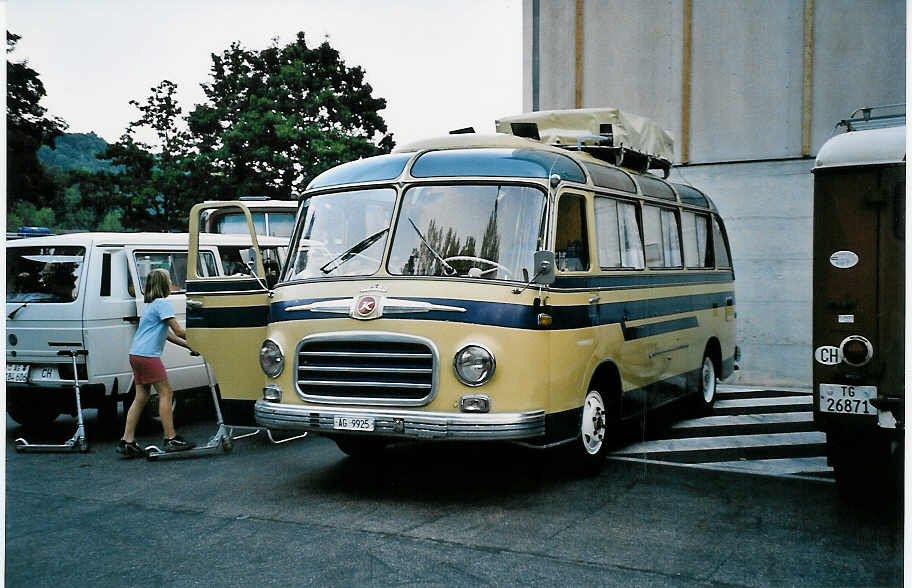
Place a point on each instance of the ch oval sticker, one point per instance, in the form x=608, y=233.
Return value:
x=828, y=355
x=844, y=259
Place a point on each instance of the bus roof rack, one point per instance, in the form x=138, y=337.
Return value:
x=610, y=134
x=875, y=117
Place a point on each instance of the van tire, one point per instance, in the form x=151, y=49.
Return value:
x=108, y=418
x=30, y=412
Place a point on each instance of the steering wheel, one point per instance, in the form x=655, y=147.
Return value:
x=496, y=266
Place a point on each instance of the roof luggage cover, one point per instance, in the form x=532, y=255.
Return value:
x=566, y=127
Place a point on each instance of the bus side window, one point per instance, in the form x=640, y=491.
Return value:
x=663, y=242
x=720, y=247
x=696, y=233
x=571, y=243
x=618, y=234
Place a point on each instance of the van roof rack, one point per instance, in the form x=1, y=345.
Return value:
x=875, y=117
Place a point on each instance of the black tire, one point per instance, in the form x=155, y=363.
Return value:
x=361, y=448
x=706, y=386
x=587, y=452
x=109, y=423
x=31, y=411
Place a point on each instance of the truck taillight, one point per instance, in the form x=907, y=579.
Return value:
x=856, y=350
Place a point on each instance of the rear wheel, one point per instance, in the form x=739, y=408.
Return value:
x=707, y=385
x=31, y=411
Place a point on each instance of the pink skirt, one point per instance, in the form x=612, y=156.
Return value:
x=147, y=370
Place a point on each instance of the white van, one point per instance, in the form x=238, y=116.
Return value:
x=85, y=291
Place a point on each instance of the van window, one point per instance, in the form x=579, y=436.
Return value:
x=236, y=223
x=720, y=246
x=105, y=289
x=487, y=232
x=43, y=274
x=175, y=262
x=696, y=232
x=281, y=224
x=663, y=245
x=618, y=234
x=571, y=242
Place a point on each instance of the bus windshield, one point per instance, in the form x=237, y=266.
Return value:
x=478, y=231
x=342, y=234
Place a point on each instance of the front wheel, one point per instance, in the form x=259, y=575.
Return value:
x=589, y=449
x=361, y=448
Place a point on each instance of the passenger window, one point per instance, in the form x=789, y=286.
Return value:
x=720, y=246
x=663, y=244
x=618, y=234
x=571, y=241
x=175, y=262
x=105, y=275
x=696, y=233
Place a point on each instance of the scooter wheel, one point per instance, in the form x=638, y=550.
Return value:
x=227, y=445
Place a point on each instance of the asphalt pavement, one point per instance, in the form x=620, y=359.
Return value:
x=450, y=514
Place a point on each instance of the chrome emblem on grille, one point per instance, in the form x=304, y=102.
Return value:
x=365, y=306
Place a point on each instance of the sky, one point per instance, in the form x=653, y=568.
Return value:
x=439, y=65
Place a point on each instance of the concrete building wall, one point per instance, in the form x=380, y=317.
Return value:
x=747, y=125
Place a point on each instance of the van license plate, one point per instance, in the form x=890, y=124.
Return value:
x=842, y=399
x=47, y=373
x=344, y=423
x=17, y=372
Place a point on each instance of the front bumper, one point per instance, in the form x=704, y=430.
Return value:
x=411, y=424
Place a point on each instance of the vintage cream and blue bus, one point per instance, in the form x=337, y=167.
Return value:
x=479, y=287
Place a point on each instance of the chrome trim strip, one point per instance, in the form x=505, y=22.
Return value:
x=668, y=350
x=371, y=337
x=413, y=424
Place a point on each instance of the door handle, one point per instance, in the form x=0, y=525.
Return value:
x=131, y=319
x=594, y=299
x=194, y=304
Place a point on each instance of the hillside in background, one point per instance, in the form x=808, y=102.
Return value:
x=76, y=151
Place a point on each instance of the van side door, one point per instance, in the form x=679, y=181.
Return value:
x=184, y=370
x=226, y=320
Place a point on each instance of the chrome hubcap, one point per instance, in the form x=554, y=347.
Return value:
x=709, y=380
x=593, y=425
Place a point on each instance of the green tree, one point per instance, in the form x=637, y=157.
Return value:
x=156, y=185
x=276, y=118
x=27, y=129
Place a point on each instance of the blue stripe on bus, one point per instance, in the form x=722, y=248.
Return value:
x=516, y=316
x=660, y=328
x=637, y=279
x=218, y=286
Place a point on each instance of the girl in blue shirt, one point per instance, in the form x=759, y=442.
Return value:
x=157, y=325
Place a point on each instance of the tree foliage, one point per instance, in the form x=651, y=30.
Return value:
x=273, y=119
x=27, y=129
x=278, y=117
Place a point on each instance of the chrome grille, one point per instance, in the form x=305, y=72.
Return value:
x=367, y=368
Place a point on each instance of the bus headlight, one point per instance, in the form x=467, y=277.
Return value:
x=856, y=350
x=272, y=360
x=474, y=365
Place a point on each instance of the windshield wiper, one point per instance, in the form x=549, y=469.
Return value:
x=353, y=251
x=12, y=314
x=448, y=270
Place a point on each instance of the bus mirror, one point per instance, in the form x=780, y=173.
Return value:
x=544, y=268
